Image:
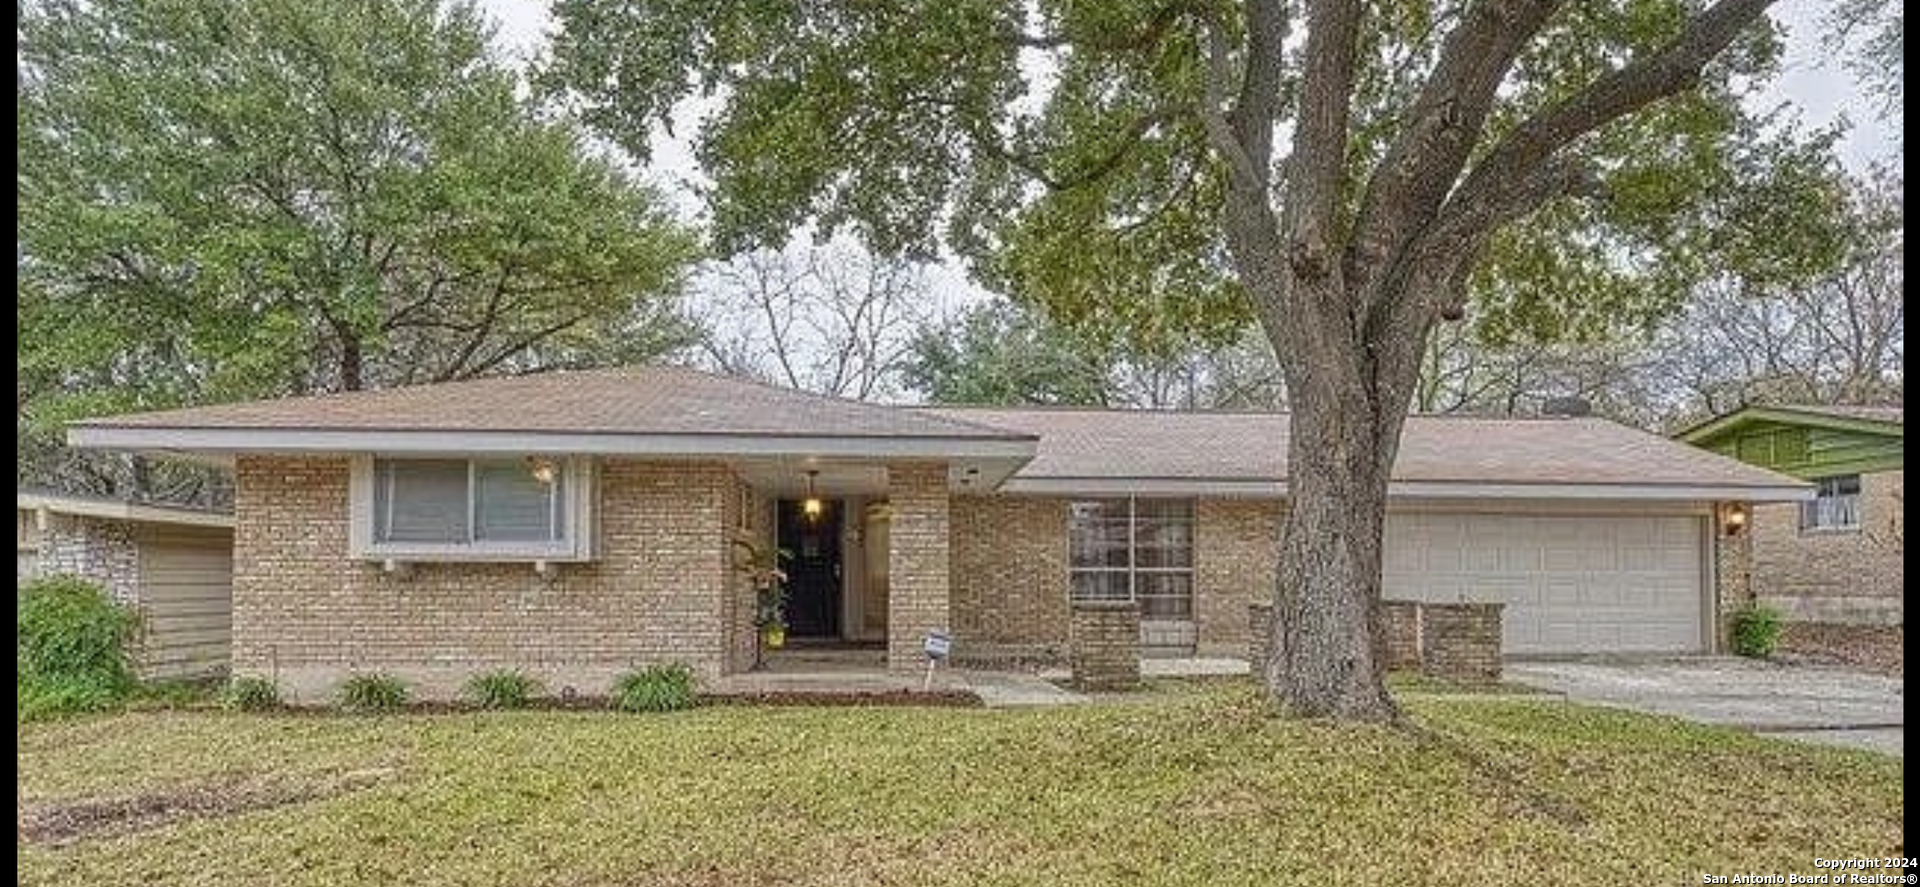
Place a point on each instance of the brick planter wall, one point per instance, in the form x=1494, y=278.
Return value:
x=1400, y=634
x=1460, y=642
x=1259, y=630
x=1104, y=647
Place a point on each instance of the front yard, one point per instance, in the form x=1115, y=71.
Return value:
x=1192, y=787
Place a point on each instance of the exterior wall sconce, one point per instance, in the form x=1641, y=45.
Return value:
x=812, y=505
x=542, y=469
x=1733, y=520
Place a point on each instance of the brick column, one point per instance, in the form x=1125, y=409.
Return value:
x=1400, y=634
x=917, y=562
x=1259, y=633
x=1461, y=642
x=1105, y=645
x=1732, y=569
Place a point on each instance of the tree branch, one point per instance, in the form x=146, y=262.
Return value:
x=1674, y=68
x=1412, y=180
x=1317, y=162
x=1247, y=177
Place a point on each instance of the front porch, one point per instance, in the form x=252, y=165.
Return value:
x=864, y=547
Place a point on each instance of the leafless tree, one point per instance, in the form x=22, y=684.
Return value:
x=831, y=319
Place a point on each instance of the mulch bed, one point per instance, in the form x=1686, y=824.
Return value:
x=58, y=823
x=1875, y=648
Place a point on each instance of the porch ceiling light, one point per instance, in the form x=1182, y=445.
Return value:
x=811, y=505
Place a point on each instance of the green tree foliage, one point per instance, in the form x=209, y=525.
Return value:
x=998, y=354
x=1345, y=173
x=220, y=201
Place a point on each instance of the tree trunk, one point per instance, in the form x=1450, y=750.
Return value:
x=352, y=363
x=1326, y=608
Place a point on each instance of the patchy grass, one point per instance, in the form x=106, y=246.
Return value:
x=1196, y=788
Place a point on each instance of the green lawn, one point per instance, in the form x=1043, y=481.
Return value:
x=1195, y=788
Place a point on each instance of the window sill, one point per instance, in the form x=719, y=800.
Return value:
x=466, y=554
x=1830, y=531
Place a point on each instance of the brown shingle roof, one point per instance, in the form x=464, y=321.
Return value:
x=1252, y=447
x=626, y=400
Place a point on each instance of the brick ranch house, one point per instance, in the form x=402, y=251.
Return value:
x=577, y=524
x=1836, y=557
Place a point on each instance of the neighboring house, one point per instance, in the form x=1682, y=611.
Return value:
x=174, y=566
x=577, y=524
x=1836, y=557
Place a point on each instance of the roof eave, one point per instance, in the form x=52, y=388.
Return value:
x=1719, y=425
x=227, y=441
x=1277, y=489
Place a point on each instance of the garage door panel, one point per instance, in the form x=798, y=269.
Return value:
x=1571, y=583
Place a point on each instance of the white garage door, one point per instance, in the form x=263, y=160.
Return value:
x=1572, y=584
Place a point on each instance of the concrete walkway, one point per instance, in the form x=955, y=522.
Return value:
x=1804, y=703
x=1011, y=689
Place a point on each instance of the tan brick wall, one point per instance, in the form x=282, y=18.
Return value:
x=748, y=516
x=1236, y=561
x=307, y=614
x=918, y=566
x=1400, y=634
x=1104, y=645
x=1834, y=576
x=1010, y=575
x=1460, y=642
x=1009, y=579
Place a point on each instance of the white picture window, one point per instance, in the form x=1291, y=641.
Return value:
x=532, y=508
x=1835, y=505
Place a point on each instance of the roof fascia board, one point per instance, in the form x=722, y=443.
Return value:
x=251, y=440
x=124, y=511
x=1713, y=428
x=1438, y=490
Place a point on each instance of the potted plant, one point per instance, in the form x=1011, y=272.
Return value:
x=761, y=565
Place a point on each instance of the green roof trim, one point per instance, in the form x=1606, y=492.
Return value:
x=1806, y=442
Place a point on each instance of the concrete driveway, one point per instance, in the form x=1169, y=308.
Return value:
x=1805, y=703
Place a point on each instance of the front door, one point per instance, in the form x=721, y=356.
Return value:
x=813, y=568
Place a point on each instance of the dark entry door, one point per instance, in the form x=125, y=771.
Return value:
x=813, y=570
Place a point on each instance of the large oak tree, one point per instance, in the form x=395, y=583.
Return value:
x=1344, y=173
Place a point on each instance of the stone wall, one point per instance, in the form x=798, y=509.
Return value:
x=1842, y=576
x=1459, y=642
x=1104, y=649
x=100, y=551
x=306, y=614
x=1009, y=580
x=918, y=565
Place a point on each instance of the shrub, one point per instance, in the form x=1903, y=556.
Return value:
x=250, y=694
x=654, y=688
x=1756, y=630
x=502, y=688
x=39, y=698
x=373, y=692
x=70, y=650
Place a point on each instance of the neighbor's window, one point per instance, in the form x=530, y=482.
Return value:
x=1134, y=550
x=1835, y=505
x=471, y=507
